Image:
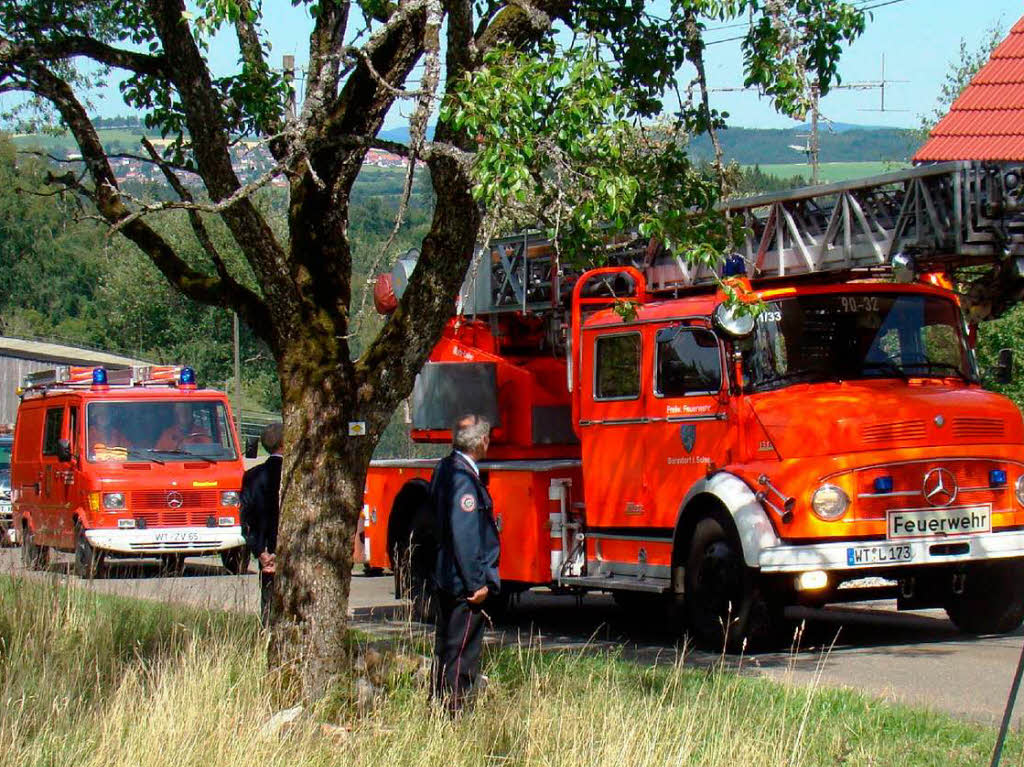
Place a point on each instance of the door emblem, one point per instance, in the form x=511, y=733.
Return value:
x=939, y=487
x=174, y=500
x=688, y=436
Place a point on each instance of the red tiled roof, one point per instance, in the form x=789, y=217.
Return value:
x=987, y=121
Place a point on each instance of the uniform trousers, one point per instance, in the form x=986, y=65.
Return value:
x=266, y=597
x=457, y=646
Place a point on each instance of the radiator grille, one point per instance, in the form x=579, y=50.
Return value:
x=973, y=428
x=196, y=507
x=190, y=499
x=897, y=431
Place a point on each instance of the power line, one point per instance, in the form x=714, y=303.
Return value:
x=863, y=7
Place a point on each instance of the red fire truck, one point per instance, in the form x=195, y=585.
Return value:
x=654, y=442
x=136, y=462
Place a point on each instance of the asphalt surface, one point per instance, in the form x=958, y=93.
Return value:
x=917, y=658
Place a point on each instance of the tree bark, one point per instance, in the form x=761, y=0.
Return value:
x=321, y=496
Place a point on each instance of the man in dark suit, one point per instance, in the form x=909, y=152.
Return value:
x=466, y=570
x=261, y=491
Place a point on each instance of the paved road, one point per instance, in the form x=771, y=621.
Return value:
x=914, y=658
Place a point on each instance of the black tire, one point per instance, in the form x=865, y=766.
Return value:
x=33, y=556
x=412, y=548
x=236, y=560
x=992, y=601
x=87, y=558
x=724, y=607
x=172, y=565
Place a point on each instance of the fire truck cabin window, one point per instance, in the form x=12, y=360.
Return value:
x=158, y=431
x=840, y=337
x=688, y=362
x=51, y=432
x=618, y=367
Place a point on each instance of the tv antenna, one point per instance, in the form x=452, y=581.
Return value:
x=812, y=146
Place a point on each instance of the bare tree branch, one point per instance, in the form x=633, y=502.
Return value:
x=198, y=227
x=257, y=68
x=107, y=198
x=74, y=45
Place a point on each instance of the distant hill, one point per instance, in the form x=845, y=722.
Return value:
x=748, y=146
x=843, y=142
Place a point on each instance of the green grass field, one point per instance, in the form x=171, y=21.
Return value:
x=833, y=171
x=94, y=680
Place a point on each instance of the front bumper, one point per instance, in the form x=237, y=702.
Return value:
x=923, y=551
x=176, y=540
x=6, y=523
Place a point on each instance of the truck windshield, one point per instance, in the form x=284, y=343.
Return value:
x=835, y=337
x=158, y=431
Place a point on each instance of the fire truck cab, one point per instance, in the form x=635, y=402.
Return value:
x=655, y=441
x=125, y=463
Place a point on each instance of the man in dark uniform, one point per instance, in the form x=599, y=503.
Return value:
x=466, y=572
x=261, y=490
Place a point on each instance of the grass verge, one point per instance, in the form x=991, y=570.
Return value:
x=88, y=679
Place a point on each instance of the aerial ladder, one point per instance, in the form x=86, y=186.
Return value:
x=937, y=217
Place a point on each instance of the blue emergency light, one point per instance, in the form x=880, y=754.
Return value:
x=734, y=266
x=99, y=376
x=997, y=477
x=883, y=485
x=188, y=377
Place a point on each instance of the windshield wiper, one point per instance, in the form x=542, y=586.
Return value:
x=889, y=365
x=144, y=453
x=944, y=366
x=178, y=451
x=805, y=371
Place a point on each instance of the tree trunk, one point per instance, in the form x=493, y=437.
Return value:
x=321, y=496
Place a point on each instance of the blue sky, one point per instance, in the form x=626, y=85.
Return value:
x=919, y=39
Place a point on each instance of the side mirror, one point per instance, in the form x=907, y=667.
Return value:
x=252, y=447
x=1004, y=367
x=63, y=450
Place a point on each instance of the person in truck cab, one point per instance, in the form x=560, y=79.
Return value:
x=103, y=433
x=183, y=431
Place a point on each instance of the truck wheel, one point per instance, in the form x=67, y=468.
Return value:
x=723, y=605
x=992, y=601
x=33, y=556
x=87, y=559
x=412, y=548
x=236, y=560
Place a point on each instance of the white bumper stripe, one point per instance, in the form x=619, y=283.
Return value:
x=166, y=540
x=833, y=556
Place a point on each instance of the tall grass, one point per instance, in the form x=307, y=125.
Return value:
x=88, y=680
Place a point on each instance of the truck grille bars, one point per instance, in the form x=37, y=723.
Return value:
x=944, y=215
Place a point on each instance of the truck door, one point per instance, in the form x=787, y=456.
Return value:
x=52, y=488
x=689, y=428
x=612, y=426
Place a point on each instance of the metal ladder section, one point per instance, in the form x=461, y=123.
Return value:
x=943, y=215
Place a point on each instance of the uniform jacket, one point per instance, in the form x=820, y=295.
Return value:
x=261, y=490
x=467, y=536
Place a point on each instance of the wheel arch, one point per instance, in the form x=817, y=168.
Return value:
x=730, y=500
x=401, y=520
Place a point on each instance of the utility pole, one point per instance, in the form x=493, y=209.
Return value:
x=288, y=65
x=238, y=375
x=813, y=146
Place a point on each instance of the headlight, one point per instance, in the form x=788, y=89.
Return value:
x=829, y=502
x=230, y=498
x=735, y=325
x=113, y=501
x=1019, y=489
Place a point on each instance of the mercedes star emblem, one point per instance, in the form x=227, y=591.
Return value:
x=174, y=499
x=939, y=487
